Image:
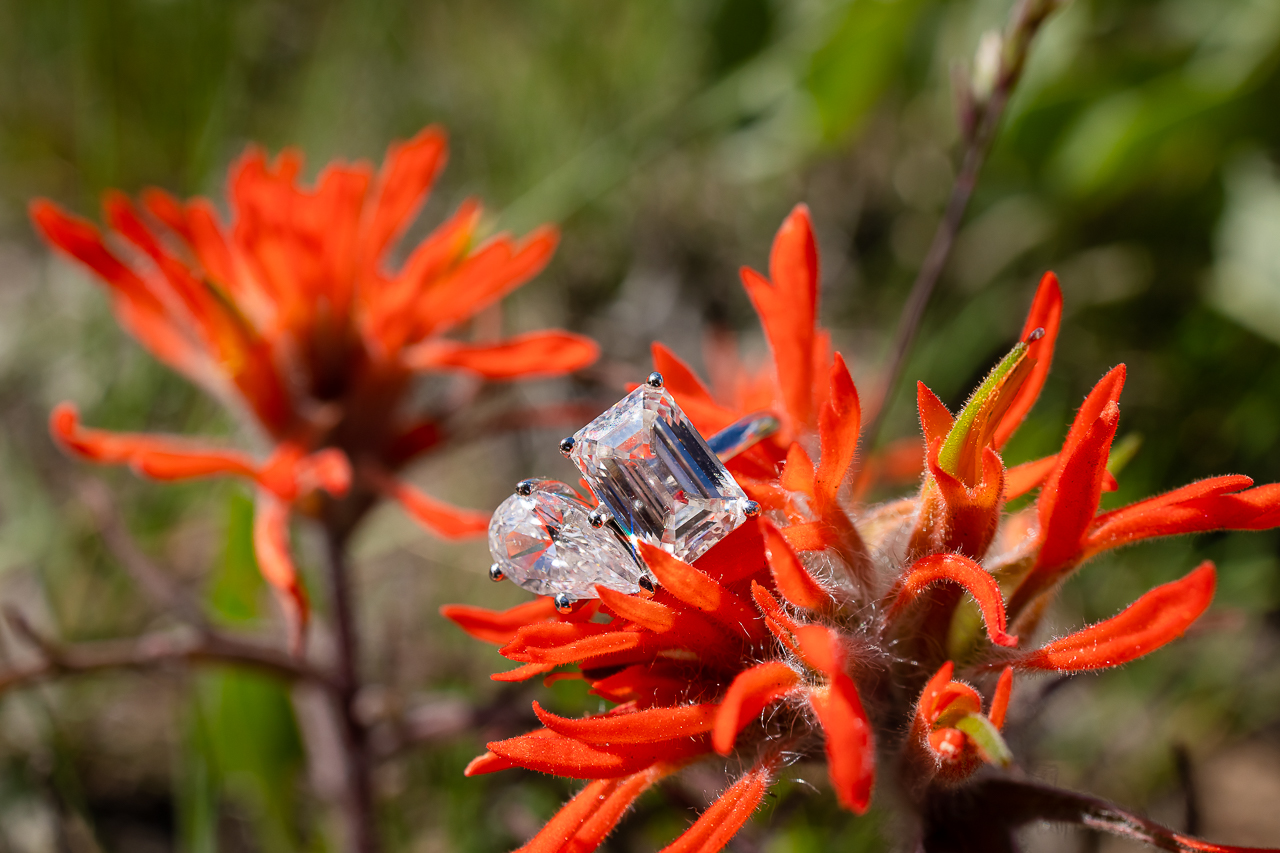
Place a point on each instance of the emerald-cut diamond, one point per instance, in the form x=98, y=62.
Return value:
x=543, y=542
x=654, y=473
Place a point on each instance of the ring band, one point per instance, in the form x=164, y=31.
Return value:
x=743, y=434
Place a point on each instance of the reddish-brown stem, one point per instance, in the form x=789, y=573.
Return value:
x=204, y=644
x=978, y=132
x=982, y=817
x=357, y=799
x=152, y=651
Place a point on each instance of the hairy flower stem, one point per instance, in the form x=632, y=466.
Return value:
x=980, y=119
x=357, y=798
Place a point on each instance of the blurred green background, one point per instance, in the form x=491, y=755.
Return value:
x=1140, y=160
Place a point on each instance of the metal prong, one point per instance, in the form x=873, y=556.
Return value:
x=654, y=380
x=563, y=602
x=566, y=445
x=599, y=517
x=645, y=583
x=751, y=510
x=496, y=573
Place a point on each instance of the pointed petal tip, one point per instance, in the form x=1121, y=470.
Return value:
x=489, y=762
x=1000, y=699
x=1149, y=623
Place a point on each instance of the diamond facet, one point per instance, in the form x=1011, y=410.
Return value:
x=656, y=476
x=544, y=543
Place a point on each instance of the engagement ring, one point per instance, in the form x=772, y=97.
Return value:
x=657, y=480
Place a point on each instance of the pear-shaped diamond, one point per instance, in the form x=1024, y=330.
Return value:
x=545, y=544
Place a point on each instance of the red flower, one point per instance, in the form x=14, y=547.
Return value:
x=829, y=628
x=296, y=314
x=792, y=386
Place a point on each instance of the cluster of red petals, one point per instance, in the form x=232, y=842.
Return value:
x=682, y=666
x=795, y=385
x=829, y=624
x=297, y=313
x=950, y=735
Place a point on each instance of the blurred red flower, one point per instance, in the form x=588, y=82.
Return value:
x=296, y=315
x=835, y=626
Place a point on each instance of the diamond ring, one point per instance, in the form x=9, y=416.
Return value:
x=657, y=481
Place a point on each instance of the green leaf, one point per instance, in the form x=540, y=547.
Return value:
x=237, y=586
x=1122, y=453
x=986, y=737
x=243, y=742
x=252, y=740
x=983, y=401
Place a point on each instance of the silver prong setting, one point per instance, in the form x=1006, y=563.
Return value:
x=751, y=509
x=566, y=445
x=654, y=380
x=599, y=517
x=496, y=574
x=563, y=602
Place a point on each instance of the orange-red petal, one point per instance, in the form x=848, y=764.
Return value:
x=751, y=692
x=1206, y=505
x=850, y=744
x=961, y=570
x=271, y=546
x=553, y=837
x=793, y=580
x=1000, y=699
x=935, y=420
x=139, y=310
x=1160, y=616
x=798, y=474
x=839, y=422
x=1070, y=497
x=157, y=457
x=693, y=397
x=545, y=353
x=442, y=519
x=487, y=763
x=563, y=756
x=723, y=818
x=808, y=536
x=1021, y=479
x=648, y=684
x=850, y=747
x=582, y=824
x=700, y=590
x=486, y=276
x=499, y=626
x=787, y=303
x=645, y=612
x=610, y=810
x=647, y=726
x=941, y=695
x=405, y=179
x=1046, y=314
x=523, y=673
x=970, y=516
x=783, y=627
